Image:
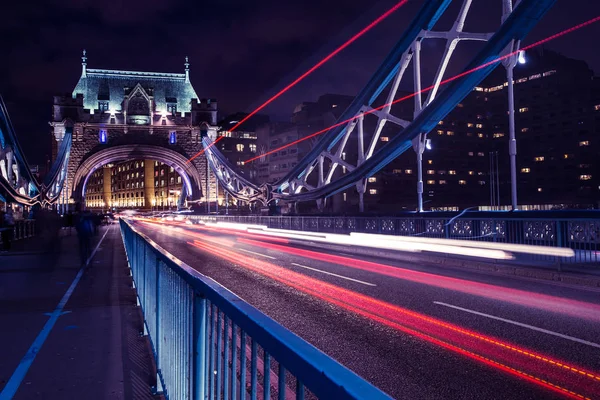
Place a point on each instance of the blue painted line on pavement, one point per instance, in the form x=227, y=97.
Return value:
x=17, y=377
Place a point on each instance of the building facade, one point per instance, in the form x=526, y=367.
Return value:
x=117, y=116
x=135, y=184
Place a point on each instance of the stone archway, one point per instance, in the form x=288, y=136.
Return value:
x=189, y=173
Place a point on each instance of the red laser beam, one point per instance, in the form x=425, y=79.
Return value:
x=313, y=69
x=496, y=60
x=486, y=349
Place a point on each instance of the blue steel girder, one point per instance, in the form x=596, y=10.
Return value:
x=17, y=183
x=55, y=180
x=425, y=19
x=518, y=24
x=236, y=185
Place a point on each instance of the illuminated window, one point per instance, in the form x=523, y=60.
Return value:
x=102, y=136
x=429, y=162
x=585, y=177
x=524, y=130
x=430, y=172
x=481, y=182
x=480, y=154
x=539, y=189
x=584, y=143
x=440, y=132
x=172, y=108
x=539, y=158
x=431, y=182
x=523, y=109
x=461, y=182
x=471, y=172
x=172, y=137
x=372, y=191
x=568, y=156
x=442, y=172
x=172, y=169
x=536, y=76
x=408, y=171
x=498, y=135
x=142, y=164
x=239, y=147
x=442, y=182
x=450, y=133
x=471, y=153
x=525, y=170
x=397, y=171
x=470, y=125
x=385, y=139
x=441, y=123
x=252, y=147
x=345, y=197
x=597, y=107
x=479, y=126
x=452, y=172
x=372, y=179
x=480, y=135
x=178, y=180
x=478, y=89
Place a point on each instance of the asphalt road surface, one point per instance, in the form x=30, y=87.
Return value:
x=414, y=331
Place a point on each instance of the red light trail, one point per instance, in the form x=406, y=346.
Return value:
x=540, y=301
x=448, y=80
x=520, y=297
x=314, y=68
x=549, y=373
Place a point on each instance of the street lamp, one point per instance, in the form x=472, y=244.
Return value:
x=521, y=59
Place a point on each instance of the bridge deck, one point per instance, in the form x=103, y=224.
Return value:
x=93, y=350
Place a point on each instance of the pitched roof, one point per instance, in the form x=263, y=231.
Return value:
x=111, y=85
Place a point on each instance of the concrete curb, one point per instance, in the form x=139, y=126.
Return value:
x=446, y=261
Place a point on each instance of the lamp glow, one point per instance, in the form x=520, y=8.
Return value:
x=521, y=58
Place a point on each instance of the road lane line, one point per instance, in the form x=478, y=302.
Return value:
x=331, y=273
x=17, y=377
x=533, y=328
x=258, y=254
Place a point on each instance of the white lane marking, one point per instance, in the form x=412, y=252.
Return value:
x=258, y=254
x=331, y=273
x=533, y=328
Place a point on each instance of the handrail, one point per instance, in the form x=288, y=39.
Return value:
x=196, y=303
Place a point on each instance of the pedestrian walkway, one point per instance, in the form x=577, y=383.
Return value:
x=72, y=333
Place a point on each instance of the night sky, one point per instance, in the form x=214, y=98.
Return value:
x=240, y=52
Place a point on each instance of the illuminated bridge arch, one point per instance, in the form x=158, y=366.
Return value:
x=191, y=177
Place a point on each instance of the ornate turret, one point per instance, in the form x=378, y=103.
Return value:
x=187, y=70
x=84, y=64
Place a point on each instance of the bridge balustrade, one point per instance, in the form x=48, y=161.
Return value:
x=582, y=234
x=208, y=343
x=23, y=229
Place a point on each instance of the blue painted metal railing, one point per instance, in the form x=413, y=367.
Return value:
x=208, y=343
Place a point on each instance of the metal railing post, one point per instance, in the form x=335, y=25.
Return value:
x=157, y=345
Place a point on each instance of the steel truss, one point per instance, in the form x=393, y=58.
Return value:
x=17, y=182
x=354, y=142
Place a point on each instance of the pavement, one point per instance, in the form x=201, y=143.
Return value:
x=70, y=332
x=415, y=330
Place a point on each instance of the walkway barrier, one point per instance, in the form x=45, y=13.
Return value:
x=580, y=232
x=23, y=229
x=208, y=343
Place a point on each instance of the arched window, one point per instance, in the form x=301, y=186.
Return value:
x=102, y=136
x=172, y=137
